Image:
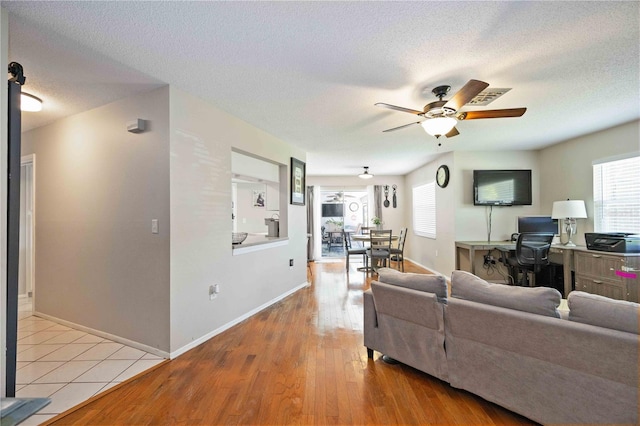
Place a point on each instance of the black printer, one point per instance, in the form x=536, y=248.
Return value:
x=616, y=242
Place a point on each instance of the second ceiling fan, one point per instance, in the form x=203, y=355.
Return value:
x=440, y=117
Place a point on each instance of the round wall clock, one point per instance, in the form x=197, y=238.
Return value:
x=353, y=207
x=442, y=176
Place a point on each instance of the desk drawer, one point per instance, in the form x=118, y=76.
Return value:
x=614, y=289
x=598, y=265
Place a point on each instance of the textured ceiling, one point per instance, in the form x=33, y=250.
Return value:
x=309, y=73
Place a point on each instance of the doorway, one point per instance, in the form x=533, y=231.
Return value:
x=26, y=273
x=341, y=209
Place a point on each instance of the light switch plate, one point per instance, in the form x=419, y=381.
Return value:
x=154, y=226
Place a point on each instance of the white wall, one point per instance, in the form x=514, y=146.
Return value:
x=457, y=219
x=97, y=189
x=434, y=254
x=559, y=172
x=472, y=221
x=566, y=168
x=202, y=138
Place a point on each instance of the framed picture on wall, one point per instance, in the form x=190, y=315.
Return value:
x=298, y=185
x=259, y=198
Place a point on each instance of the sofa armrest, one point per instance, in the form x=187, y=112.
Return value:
x=370, y=322
x=408, y=305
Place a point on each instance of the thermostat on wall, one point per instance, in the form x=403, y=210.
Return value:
x=136, y=126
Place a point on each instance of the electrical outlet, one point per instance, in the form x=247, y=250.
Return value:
x=489, y=259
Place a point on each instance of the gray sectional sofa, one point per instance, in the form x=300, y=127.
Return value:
x=511, y=345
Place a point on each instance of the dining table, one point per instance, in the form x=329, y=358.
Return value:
x=367, y=237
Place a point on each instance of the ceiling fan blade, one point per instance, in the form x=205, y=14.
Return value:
x=492, y=113
x=464, y=95
x=453, y=132
x=398, y=108
x=401, y=127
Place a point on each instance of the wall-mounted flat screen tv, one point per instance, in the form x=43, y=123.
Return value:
x=502, y=188
x=332, y=210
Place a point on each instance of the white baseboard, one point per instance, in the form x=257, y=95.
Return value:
x=448, y=277
x=183, y=349
x=238, y=320
x=109, y=336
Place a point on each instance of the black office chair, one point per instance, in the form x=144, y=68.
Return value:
x=532, y=254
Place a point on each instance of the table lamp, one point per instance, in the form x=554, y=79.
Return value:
x=569, y=210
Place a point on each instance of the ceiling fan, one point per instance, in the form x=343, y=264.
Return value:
x=440, y=117
x=337, y=197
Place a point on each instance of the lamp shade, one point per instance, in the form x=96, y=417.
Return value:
x=365, y=174
x=439, y=125
x=30, y=103
x=569, y=209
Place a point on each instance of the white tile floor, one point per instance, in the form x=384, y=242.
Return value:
x=69, y=366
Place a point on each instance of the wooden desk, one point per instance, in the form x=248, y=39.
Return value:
x=472, y=246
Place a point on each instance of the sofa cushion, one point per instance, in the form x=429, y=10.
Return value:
x=604, y=312
x=430, y=283
x=535, y=300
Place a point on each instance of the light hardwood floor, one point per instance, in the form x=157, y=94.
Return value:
x=300, y=361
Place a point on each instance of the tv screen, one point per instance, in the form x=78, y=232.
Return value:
x=502, y=188
x=332, y=210
x=538, y=224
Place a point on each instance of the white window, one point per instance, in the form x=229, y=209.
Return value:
x=616, y=195
x=424, y=210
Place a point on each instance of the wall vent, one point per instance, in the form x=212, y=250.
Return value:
x=487, y=96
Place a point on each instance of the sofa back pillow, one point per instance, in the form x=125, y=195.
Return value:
x=604, y=312
x=535, y=300
x=436, y=284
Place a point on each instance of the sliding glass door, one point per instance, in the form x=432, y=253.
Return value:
x=341, y=210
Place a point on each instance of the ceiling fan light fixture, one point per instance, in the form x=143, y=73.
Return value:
x=365, y=174
x=438, y=126
x=30, y=103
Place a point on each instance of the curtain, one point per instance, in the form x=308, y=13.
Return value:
x=377, y=201
x=310, y=224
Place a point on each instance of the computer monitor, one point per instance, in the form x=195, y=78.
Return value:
x=540, y=224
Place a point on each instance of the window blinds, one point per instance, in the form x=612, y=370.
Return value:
x=616, y=195
x=424, y=210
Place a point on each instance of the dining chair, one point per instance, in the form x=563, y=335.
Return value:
x=397, y=253
x=325, y=236
x=379, y=251
x=355, y=251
